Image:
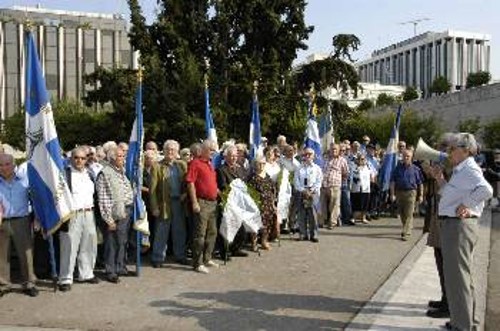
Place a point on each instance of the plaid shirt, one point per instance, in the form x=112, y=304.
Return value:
x=333, y=171
x=106, y=196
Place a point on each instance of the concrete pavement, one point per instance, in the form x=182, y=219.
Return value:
x=359, y=277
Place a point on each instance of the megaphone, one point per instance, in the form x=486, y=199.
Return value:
x=424, y=152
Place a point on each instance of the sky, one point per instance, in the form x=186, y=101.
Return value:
x=377, y=23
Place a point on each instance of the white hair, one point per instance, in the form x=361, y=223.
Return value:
x=172, y=144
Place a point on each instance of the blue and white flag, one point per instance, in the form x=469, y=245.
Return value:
x=134, y=166
x=51, y=196
x=209, y=120
x=326, y=130
x=390, y=158
x=255, y=136
x=312, y=139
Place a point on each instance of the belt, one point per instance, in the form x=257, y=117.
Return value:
x=83, y=210
x=454, y=217
x=15, y=218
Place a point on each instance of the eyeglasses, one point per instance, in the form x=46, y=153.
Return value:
x=79, y=157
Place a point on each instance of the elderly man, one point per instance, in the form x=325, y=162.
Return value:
x=16, y=226
x=307, y=182
x=168, y=194
x=115, y=198
x=335, y=170
x=406, y=187
x=290, y=163
x=228, y=172
x=202, y=188
x=79, y=239
x=460, y=207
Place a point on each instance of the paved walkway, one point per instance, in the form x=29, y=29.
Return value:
x=401, y=303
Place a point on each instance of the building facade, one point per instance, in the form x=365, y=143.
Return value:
x=419, y=60
x=70, y=45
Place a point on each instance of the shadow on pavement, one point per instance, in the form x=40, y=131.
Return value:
x=254, y=310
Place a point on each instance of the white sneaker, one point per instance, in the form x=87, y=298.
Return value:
x=211, y=264
x=202, y=269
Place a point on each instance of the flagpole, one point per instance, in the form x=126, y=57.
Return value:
x=138, y=233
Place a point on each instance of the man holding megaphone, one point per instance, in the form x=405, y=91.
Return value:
x=460, y=207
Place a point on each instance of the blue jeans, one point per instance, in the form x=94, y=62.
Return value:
x=345, y=205
x=175, y=225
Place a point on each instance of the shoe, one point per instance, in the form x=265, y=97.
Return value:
x=202, y=269
x=435, y=304
x=404, y=238
x=32, y=291
x=365, y=221
x=239, y=253
x=157, y=265
x=304, y=239
x=125, y=273
x=4, y=291
x=315, y=240
x=64, y=287
x=448, y=326
x=113, y=279
x=438, y=313
x=265, y=246
x=211, y=264
x=93, y=280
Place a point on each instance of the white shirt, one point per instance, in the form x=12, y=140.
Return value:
x=95, y=168
x=466, y=186
x=361, y=180
x=82, y=188
x=273, y=170
x=289, y=164
x=308, y=177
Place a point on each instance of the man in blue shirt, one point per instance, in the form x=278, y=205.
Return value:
x=406, y=188
x=15, y=225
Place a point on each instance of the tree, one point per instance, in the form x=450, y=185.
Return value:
x=365, y=105
x=478, y=79
x=491, y=134
x=243, y=42
x=384, y=99
x=410, y=93
x=440, y=85
x=472, y=125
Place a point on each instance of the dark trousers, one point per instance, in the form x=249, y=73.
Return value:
x=115, y=243
x=345, y=205
x=438, y=256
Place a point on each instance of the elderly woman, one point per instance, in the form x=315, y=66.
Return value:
x=272, y=166
x=360, y=188
x=266, y=188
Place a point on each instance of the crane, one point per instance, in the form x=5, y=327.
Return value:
x=415, y=23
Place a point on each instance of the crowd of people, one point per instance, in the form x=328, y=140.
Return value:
x=183, y=188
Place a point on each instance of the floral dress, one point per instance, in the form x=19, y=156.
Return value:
x=267, y=192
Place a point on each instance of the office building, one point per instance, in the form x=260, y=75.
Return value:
x=70, y=45
x=419, y=60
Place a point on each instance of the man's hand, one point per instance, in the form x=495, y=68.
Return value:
x=393, y=198
x=112, y=226
x=420, y=199
x=463, y=212
x=196, y=207
x=156, y=212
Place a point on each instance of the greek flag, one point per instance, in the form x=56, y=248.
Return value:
x=255, y=134
x=326, y=130
x=51, y=197
x=134, y=165
x=390, y=158
x=209, y=120
x=312, y=139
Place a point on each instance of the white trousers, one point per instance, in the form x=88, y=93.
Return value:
x=80, y=242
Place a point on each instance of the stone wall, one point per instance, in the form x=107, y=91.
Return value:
x=480, y=102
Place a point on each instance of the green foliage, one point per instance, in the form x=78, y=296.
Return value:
x=491, y=134
x=478, y=78
x=75, y=124
x=379, y=128
x=344, y=44
x=440, y=85
x=384, y=99
x=366, y=105
x=410, y=93
x=472, y=125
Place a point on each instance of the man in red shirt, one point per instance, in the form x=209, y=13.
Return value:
x=201, y=181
